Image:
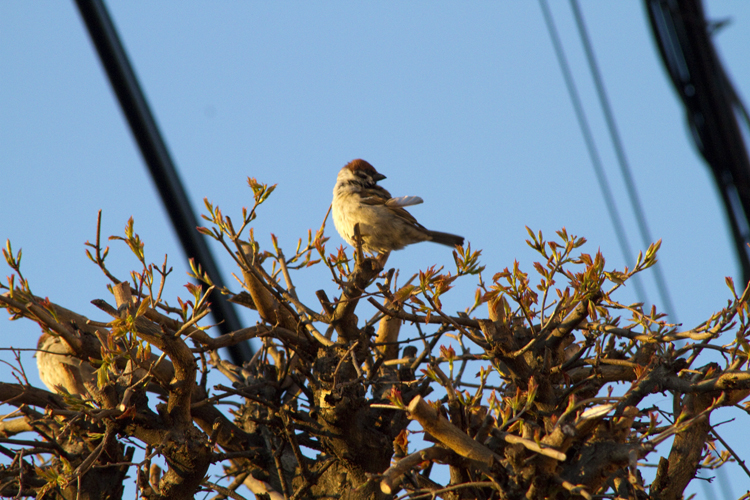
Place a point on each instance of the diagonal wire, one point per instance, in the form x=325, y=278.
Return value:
x=591, y=146
x=156, y=155
x=635, y=202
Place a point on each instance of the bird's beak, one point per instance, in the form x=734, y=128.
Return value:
x=378, y=177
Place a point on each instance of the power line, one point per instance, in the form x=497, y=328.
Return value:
x=635, y=202
x=712, y=108
x=588, y=138
x=156, y=155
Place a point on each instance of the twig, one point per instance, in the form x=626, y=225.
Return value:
x=280, y=471
x=98, y=249
x=341, y=362
x=574, y=489
x=358, y=243
x=261, y=487
x=450, y=435
x=730, y=450
x=478, y=341
x=392, y=477
x=447, y=489
x=529, y=445
x=224, y=491
x=94, y=455
x=415, y=318
x=303, y=489
x=292, y=437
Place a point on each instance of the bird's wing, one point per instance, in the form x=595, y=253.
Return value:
x=404, y=201
x=377, y=195
x=373, y=199
x=406, y=216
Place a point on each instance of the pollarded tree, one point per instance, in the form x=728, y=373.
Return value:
x=328, y=406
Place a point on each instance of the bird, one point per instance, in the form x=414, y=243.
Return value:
x=60, y=370
x=384, y=224
x=64, y=373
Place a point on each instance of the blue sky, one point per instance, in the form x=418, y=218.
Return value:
x=462, y=104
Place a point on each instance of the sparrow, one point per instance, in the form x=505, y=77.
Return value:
x=64, y=373
x=384, y=225
x=60, y=370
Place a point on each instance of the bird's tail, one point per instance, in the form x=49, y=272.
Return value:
x=448, y=239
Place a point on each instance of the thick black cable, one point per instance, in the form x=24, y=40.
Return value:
x=601, y=177
x=681, y=33
x=632, y=191
x=156, y=155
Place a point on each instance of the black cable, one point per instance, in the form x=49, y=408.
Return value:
x=681, y=33
x=154, y=150
x=635, y=202
x=601, y=177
